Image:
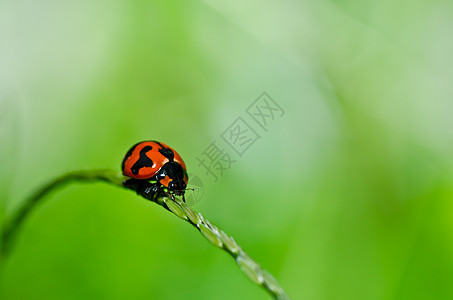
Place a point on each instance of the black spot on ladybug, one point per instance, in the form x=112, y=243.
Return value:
x=129, y=153
x=167, y=153
x=143, y=161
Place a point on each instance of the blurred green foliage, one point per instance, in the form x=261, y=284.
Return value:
x=347, y=196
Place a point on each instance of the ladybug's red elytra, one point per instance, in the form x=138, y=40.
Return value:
x=154, y=161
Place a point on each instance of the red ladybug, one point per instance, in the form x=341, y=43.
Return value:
x=154, y=161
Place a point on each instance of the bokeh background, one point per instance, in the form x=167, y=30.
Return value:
x=346, y=196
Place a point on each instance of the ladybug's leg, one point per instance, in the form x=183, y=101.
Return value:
x=149, y=191
x=143, y=188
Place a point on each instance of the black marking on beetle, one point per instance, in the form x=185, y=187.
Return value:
x=143, y=160
x=128, y=154
x=167, y=153
x=158, y=143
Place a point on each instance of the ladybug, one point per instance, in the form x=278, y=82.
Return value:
x=156, y=162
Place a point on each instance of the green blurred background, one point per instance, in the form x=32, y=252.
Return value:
x=347, y=196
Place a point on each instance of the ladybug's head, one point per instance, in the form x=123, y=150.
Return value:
x=177, y=187
x=173, y=176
